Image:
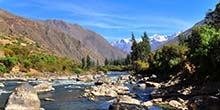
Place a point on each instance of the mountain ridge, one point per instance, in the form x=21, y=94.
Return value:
x=53, y=38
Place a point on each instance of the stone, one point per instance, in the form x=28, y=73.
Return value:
x=107, y=90
x=128, y=100
x=100, y=73
x=2, y=85
x=157, y=100
x=24, y=97
x=175, y=103
x=49, y=99
x=85, y=78
x=153, y=84
x=142, y=85
x=44, y=87
x=148, y=103
x=125, y=77
x=121, y=106
x=153, y=76
x=103, y=80
x=104, y=91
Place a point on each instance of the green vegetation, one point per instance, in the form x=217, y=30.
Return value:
x=141, y=50
x=31, y=57
x=204, y=45
x=197, y=56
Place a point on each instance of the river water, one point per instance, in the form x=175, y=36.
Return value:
x=68, y=94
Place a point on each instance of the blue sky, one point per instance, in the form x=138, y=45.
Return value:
x=116, y=19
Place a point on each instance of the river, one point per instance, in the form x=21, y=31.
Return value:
x=68, y=94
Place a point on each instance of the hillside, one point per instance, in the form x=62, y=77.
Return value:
x=59, y=40
x=184, y=34
x=88, y=38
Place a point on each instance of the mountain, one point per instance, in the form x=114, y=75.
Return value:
x=186, y=33
x=60, y=37
x=155, y=41
x=89, y=39
x=211, y=18
x=123, y=44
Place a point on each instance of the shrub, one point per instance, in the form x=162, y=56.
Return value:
x=140, y=66
x=8, y=62
x=3, y=69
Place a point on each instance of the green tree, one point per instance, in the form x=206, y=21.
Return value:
x=88, y=62
x=97, y=62
x=168, y=60
x=134, y=49
x=144, y=48
x=106, y=62
x=83, y=63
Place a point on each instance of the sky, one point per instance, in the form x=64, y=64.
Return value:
x=116, y=19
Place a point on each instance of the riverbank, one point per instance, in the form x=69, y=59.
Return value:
x=119, y=89
x=49, y=76
x=184, y=94
x=68, y=94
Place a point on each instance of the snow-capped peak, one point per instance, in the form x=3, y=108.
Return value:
x=159, y=38
x=155, y=41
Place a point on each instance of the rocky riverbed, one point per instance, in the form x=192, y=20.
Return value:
x=112, y=91
x=82, y=92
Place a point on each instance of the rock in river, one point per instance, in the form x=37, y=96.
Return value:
x=2, y=85
x=44, y=87
x=127, y=103
x=106, y=90
x=85, y=78
x=23, y=98
x=103, y=80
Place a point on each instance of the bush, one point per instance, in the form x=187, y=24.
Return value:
x=8, y=62
x=168, y=60
x=140, y=66
x=204, y=45
x=3, y=69
x=78, y=70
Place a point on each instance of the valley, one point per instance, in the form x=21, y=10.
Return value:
x=73, y=59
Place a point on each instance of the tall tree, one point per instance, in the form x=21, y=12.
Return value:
x=144, y=48
x=106, y=62
x=83, y=63
x=134, y=49
x=97, y=62
x=88, y=62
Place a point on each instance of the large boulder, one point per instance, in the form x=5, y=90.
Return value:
x=122, y=106
x=148, y=104
x=23, y=98
x=106, y=90
x=85, y=78
x=103, y=80
x=127, y=103
x=44, y=87
x=152, y=84
x=128, y=100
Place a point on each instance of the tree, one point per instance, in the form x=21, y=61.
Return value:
x=168, y=60
x=88, y=62
x=83, y=63
x=97, y=62
x=134, y=47
x=144, y=48
x=106, y=62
